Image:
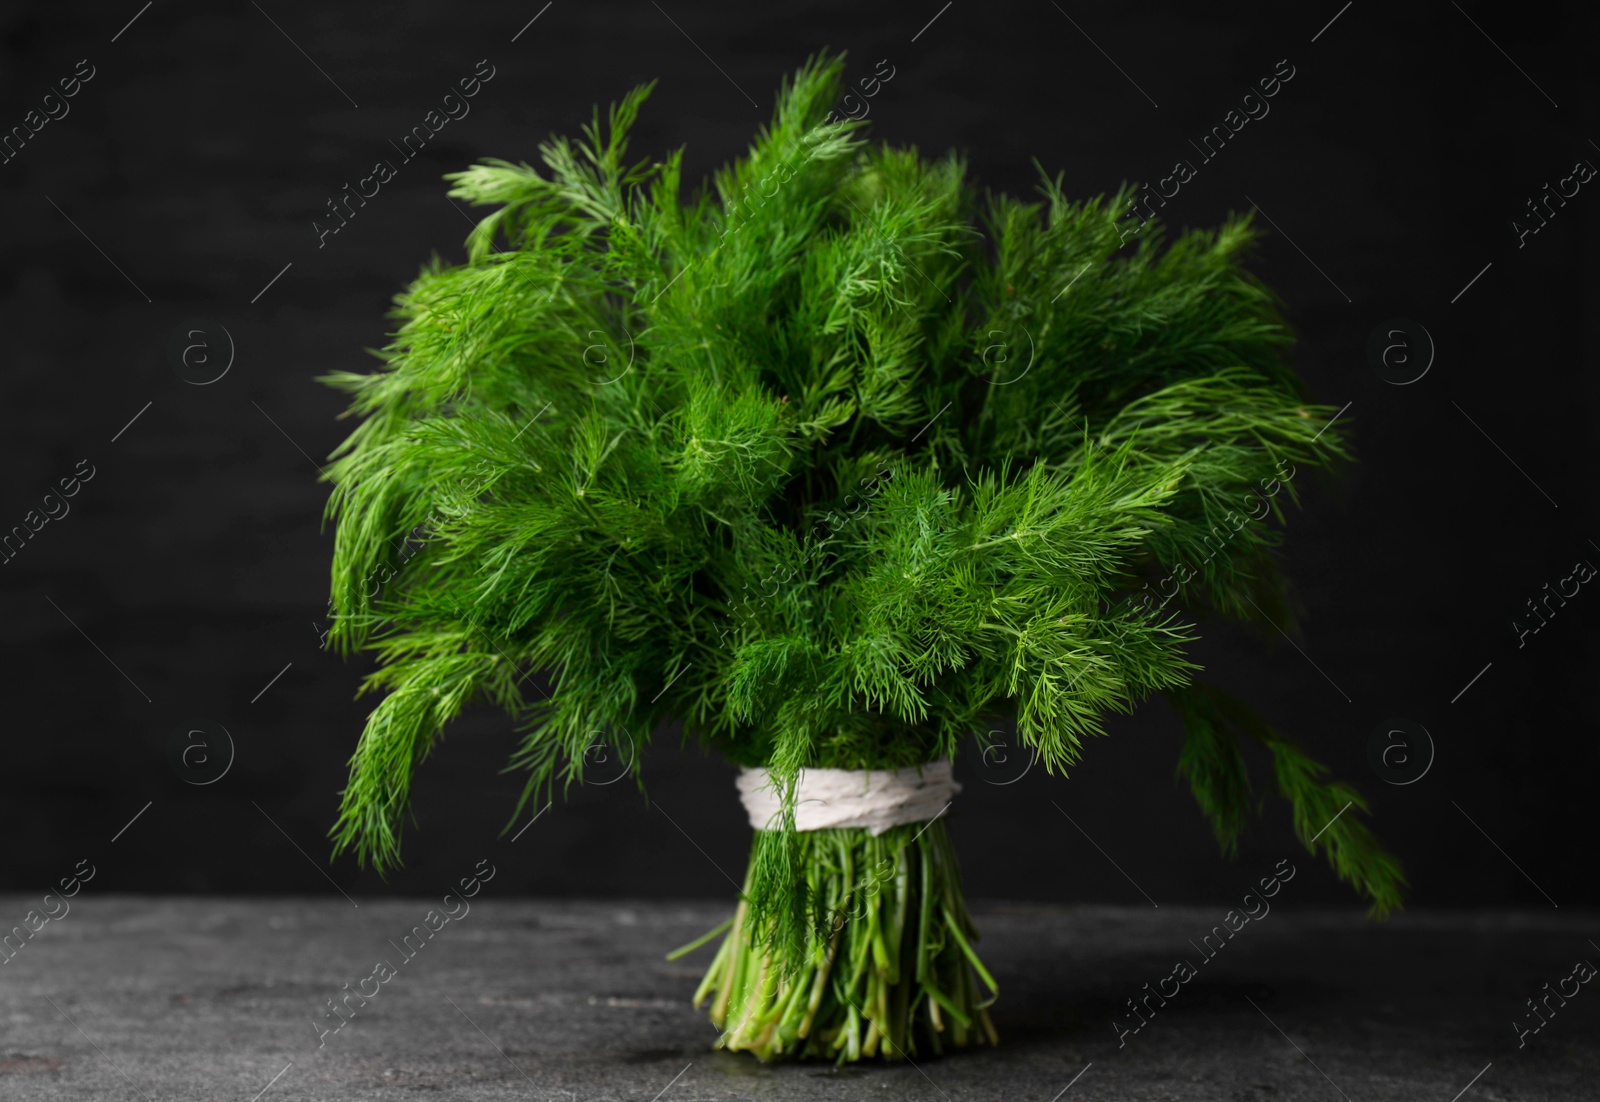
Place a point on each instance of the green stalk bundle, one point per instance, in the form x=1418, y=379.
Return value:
x=833, y=463
x=889, y=967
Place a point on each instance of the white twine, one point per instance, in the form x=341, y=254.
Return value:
x=876, y=799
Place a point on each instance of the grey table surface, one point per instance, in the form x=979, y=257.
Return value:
x=181, y=998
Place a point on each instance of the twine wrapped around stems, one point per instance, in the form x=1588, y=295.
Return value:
x=873, y=799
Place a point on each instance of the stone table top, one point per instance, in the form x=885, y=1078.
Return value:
x=124, y=997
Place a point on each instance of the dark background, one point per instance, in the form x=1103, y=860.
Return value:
x=192, y=568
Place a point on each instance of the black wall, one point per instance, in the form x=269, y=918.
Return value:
x=191, y=568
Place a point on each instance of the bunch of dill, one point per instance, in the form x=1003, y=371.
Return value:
x=747, y=459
